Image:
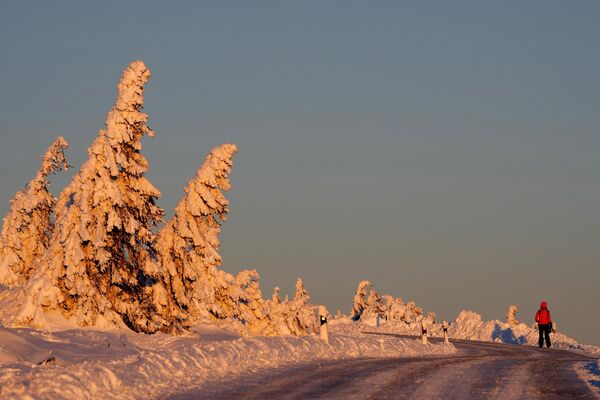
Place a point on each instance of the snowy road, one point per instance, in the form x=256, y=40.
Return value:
x=478, y=370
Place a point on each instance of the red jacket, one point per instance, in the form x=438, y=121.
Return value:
x=542, y=316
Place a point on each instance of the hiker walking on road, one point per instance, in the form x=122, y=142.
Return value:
x=544, y=321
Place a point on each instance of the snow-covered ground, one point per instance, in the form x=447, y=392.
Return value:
x=469, y=325
x=590, y=373
x=91, y=363
x=85, y=363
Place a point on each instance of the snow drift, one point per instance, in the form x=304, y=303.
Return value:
x=112, y=365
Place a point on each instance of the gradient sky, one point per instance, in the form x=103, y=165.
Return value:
x=446, y=151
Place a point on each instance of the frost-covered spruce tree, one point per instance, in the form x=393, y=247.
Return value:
x=188, y=245
x=195, y=289
x=275, y=297
x=237, y=300
x=303, y=313
x=242, y=301
x=374, y=306
x=99, y=267
x=28, y=225
x=511, y=315
x=299, y=313
x=291, y=317
x=431, y=316
x=360, y=300
x=301, y=294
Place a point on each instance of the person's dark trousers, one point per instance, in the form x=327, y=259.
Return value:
x=544, y=330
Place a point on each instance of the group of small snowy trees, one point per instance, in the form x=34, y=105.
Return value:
x=387, y=307
x=296, y=316
x=94, y=256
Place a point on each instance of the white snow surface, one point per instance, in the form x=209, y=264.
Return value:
x=86, y=363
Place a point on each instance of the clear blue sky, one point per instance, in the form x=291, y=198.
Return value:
x=446, y=151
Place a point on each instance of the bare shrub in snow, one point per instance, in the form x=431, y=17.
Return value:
x=28, y=225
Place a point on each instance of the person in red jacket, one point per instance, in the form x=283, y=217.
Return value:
x=544, y=321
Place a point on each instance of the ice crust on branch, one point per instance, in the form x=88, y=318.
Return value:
x=100, y=263
x=28, y=225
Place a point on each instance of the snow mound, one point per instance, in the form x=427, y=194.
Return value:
x=469, y=325
x=113, y=364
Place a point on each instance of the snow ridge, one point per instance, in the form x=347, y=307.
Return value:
x=109, y=365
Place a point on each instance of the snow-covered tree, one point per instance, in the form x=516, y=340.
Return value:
x=360, y=300
x=412, y=313
x=100, y=263
x=431, y=317
x=188, y=244
x=275, y=297
x=374, y=306
x=511, y=315
x=396, y=309
x=249, y=307
x=301, y=295
x=238, y=302
x=302, y=312
x=28, y=226
x=292, y=317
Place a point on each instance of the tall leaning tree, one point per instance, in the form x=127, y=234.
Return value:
x=188, y=245
x=100, y=267
x=27, y=227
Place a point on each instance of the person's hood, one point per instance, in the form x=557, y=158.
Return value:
x=543, y=305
